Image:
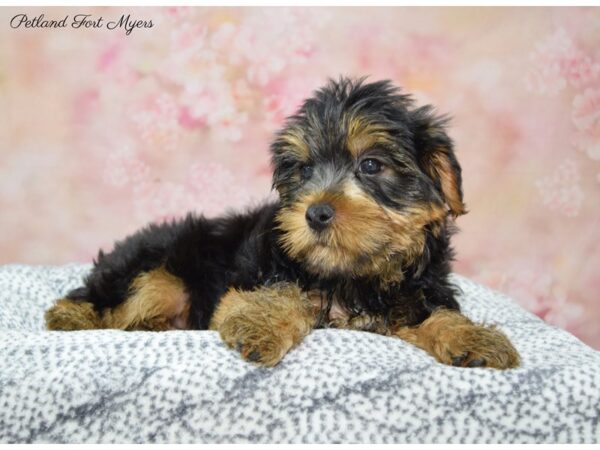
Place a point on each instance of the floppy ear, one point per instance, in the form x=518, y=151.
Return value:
x=435, y=154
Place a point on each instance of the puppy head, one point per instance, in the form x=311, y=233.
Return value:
x=361, y=176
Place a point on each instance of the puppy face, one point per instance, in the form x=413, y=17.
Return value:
x=361, y=177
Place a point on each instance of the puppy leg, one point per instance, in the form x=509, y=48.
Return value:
x=264, y=324
x=157, y=301
x=69, y=315
x=453, y=339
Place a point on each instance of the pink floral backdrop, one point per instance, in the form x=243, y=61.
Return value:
x=101, y=132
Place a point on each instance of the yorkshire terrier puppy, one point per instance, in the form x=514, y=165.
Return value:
x=369, y=187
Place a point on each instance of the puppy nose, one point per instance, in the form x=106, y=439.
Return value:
x=319, y=216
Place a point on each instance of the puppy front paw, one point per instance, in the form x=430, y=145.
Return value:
x=476, y=346
x=263, y=324
x=455, y=340
x=255, y=340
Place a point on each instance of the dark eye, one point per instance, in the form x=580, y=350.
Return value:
x=370, y=166
x=306, y=172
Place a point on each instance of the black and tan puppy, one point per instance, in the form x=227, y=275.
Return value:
x=360, y=238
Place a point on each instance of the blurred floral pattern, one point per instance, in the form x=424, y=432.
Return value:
x=102, y=132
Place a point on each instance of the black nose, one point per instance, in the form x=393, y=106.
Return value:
x=319, y=216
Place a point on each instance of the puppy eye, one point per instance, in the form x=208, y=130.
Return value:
x=306, y=172
x=370, y=166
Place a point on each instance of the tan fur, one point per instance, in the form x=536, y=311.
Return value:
x=408, y=228
x=68, y=315
x=365, y=238
x=453, y=339
x=157, y=302
x=264, y=324
x=361, y=322
x=363, y=135
x=295, y=143
x=439, y=167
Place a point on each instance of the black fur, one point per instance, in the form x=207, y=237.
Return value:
x=243, y=250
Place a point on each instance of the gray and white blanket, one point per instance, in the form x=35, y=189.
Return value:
x=338, y=386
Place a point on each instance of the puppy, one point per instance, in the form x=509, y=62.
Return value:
x=369, y=187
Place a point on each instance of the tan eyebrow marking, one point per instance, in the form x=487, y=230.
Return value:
x=293, y=140
x=364, y=134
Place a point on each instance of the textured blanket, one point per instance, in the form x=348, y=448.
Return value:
x=337, y=386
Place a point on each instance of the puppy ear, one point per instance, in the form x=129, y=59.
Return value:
x=435, y=154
